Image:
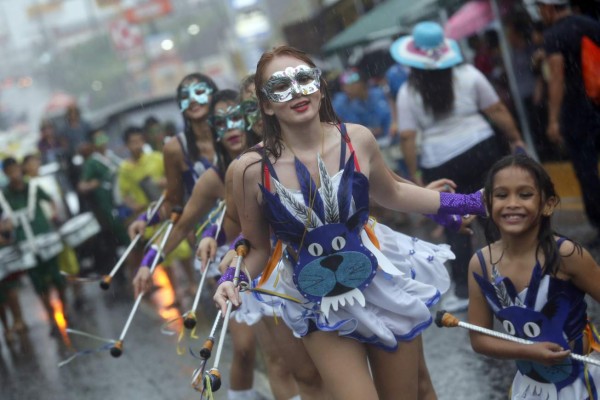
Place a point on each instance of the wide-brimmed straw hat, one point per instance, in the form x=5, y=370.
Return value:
x=426, y=48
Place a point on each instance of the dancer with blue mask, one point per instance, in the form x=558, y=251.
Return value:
x=189, y=154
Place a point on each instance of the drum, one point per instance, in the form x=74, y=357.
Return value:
x=49, y=245
x=79, y=229
x=12, y=259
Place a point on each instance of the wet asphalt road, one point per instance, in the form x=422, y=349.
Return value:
x=150, y=367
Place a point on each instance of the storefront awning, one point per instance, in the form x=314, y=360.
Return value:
x=387, y=19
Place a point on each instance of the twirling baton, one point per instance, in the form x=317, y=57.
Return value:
x=213, y=376
x=205, y=353
x=445, y=319
x=190, y=317
x=106, y=279
x=117, y=349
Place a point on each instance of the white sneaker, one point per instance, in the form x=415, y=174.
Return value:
x=453, y=304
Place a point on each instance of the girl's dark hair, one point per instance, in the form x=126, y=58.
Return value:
x=252, y=137
x=223, y=158
x=543, y=182
x=271, y=129
x=436, y=88
x=187, y=126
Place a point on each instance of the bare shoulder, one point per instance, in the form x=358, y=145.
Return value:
x=248, y=166
x=490, y=253
x=475, y=263
x=568, y=248
x=361, y=136
x=574, y=257
x=230, y=169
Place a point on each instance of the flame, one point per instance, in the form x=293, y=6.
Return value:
x=61, y=321
x=165, y=296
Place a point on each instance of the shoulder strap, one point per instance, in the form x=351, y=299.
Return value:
x=483, y=264
x=349, y=143
x=268, y=170
x=560, y=241
x=343, y=151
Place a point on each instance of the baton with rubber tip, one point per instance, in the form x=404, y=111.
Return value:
x=190, y=317
x=106, y=279
x=445, y=319
x=213, y=376
x=117, y=348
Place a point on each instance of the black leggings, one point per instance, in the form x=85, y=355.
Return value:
x=468, y=170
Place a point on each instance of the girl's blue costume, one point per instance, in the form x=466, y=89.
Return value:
x=348, y=273
x=547, y=310
x=195, y=167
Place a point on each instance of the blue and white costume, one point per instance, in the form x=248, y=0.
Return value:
x=549, y=309
x=347, y=280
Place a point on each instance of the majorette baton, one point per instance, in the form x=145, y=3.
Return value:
x=445, y=319
x=213, y=377
x=106, y=279
x=205, y=353
x=117, y=349
x=189, y=320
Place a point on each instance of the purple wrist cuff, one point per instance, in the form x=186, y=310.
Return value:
x=461, y=204
x=211, y=231
x=237, y=239
x=144, y=217
x=230, y=273
x=149, y=257
x=450, y=221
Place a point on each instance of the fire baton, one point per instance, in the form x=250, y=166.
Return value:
x=117, y=349
x=213, y=377
x=106, y=279
x=445, y=319
x=190, y=317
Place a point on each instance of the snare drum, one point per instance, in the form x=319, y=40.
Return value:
x=12, y=259
x=79, y=229
x=48, y=245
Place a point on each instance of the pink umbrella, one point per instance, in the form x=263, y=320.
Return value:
x=471, y=18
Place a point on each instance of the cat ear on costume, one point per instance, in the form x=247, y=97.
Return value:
x=358, y=219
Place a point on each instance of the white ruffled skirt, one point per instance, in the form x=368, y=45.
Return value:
x=410, y=279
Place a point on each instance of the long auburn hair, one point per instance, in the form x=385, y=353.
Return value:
x=546, y=234
x=272, y=141
x=436, y=88
x=187, y=125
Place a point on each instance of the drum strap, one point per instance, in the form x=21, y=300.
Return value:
x=107, y=162
x=31, y=195
x=22, y=219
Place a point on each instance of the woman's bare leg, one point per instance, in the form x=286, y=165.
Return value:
x=396, y=373
x=426, y=389
x=310, y=384
x=281, y=380
x=244, y=354
x=342, y=363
